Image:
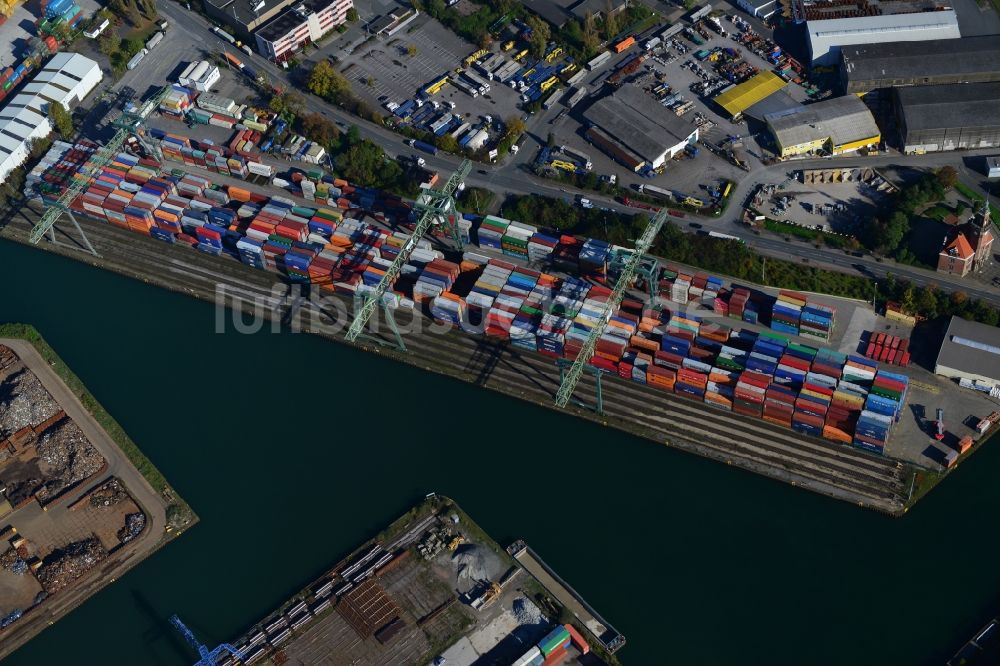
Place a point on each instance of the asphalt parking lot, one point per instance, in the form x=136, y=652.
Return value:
x=384, y=71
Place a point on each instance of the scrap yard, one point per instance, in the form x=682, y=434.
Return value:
x=74, y=513
x=431, y=588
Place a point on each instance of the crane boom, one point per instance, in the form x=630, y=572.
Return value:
x=434, y=204
x=127, y=124
x=642, y=245
x=206, y=657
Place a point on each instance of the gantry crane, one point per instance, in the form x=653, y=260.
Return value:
x=206, y=657
x=436, y=207
x=129, y=123
x=569, y=378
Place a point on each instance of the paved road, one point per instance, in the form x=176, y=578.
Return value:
x=512, y=177
x=32, y=519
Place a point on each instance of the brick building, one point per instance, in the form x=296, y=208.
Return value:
x=967, y=247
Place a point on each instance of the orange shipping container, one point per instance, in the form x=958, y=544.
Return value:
x=624, y=44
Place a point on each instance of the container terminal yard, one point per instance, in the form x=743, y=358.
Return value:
x=808, y=415
x=75, y=514
x=431, y=588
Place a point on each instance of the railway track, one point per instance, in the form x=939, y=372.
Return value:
x=826, y=467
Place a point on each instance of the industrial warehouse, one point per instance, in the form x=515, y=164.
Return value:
x=833, y=127
x=66, y=79
x=970, y=351
x=948, y=117
x=737, y=99
x=866, y=67
x=643, y=130
x=828, y=36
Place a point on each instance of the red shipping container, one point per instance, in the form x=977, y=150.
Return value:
x=871, y=348
x=905, y=361
x=578, y=641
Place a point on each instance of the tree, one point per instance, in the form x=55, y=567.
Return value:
x=352, y=15
x=611, y=21
x=287, y=104
x=61, y=119
x=107, y=41
x=947, y=176
x=353, y=135
x=317, y=128
x=447, y=143
x=515, y=126
x=590, y=38
x=131, y=46
x=324, y=80
x=928, y=302
x=540, y=33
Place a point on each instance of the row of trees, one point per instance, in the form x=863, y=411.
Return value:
x=736, y=260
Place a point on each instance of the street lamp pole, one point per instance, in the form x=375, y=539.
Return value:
x=874, y=293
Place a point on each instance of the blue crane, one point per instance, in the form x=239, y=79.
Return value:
x=207, y=657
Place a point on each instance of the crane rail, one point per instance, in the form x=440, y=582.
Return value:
x=642, y=245
x=431, y=213
x=101, y=158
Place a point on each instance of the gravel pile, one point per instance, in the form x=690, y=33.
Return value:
x=65, y=457
x=67, y=564
x=526, y=612
x=477, y=563
x=24, y=402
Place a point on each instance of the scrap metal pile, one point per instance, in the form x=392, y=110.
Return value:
x=12, y=561
x=108, y=495
x=67, y=564
x=24, y=402
x=134, y=524
x=66, y=457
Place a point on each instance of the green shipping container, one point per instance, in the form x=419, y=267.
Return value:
x=552, y=642
x=303, y=212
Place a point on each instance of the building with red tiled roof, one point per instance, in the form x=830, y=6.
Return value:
x=967, y=247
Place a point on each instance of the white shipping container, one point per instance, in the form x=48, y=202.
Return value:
x=136, y=59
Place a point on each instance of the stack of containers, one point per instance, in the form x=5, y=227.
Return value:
x=594, y=256
x=532, y=657
x=680, y=288
x=819, y=392
x=541, y=246
x=54, y=8
x=177, y=102
x=751, y=391
x=555, y=645
x=437, y=277
x=817, y=321
x=491, y=232
x=738, y=302
x=787, y=312
x=514, y=242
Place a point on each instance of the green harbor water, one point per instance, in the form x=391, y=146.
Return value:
x=293, y=449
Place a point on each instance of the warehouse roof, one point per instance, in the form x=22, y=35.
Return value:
x=741, y=97
x=550, y=10
x=918, y=26
x=841, y=119
x=955, y=105
x=931, y=58
x=637, y=120
x=983, y=359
